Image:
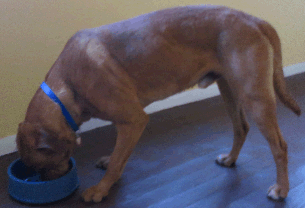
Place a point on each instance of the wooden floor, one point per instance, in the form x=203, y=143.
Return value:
x=174, y=163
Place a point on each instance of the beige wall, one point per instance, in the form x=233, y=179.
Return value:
x=33, y=32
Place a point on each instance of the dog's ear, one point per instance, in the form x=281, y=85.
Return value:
x=43, y=142
x=28, y=135
x=32, y=136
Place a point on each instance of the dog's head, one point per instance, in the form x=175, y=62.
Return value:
x=45, y=151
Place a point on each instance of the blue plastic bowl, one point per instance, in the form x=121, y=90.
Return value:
x=25, y=185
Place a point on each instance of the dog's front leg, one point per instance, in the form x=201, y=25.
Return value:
x=128, y=136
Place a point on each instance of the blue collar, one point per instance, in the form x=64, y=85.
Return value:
x=65, y=112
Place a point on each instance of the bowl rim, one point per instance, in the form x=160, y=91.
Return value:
x=11, y=175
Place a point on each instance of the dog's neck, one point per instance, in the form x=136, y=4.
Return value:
x=67, y=97
x=42, y=106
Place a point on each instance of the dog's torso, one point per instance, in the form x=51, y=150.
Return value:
x=160, y=53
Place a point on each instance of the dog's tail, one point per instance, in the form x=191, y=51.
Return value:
x=278, y=74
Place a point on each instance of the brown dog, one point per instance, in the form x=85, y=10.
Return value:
x=112, y=72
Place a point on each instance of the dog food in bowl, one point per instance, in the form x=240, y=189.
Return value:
x=25, y=184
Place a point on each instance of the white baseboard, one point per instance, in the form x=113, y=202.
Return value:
x=8, y=144
x=294, y=69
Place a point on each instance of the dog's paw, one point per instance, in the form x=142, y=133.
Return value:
x=103, y=162
x=225, y=160
x=277, y=193
x=94, y=194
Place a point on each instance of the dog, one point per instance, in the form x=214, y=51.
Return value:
x=114, y=71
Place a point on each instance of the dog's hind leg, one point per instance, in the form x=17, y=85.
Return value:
x=258, y=97
x=240, y=125
x=264, y=114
